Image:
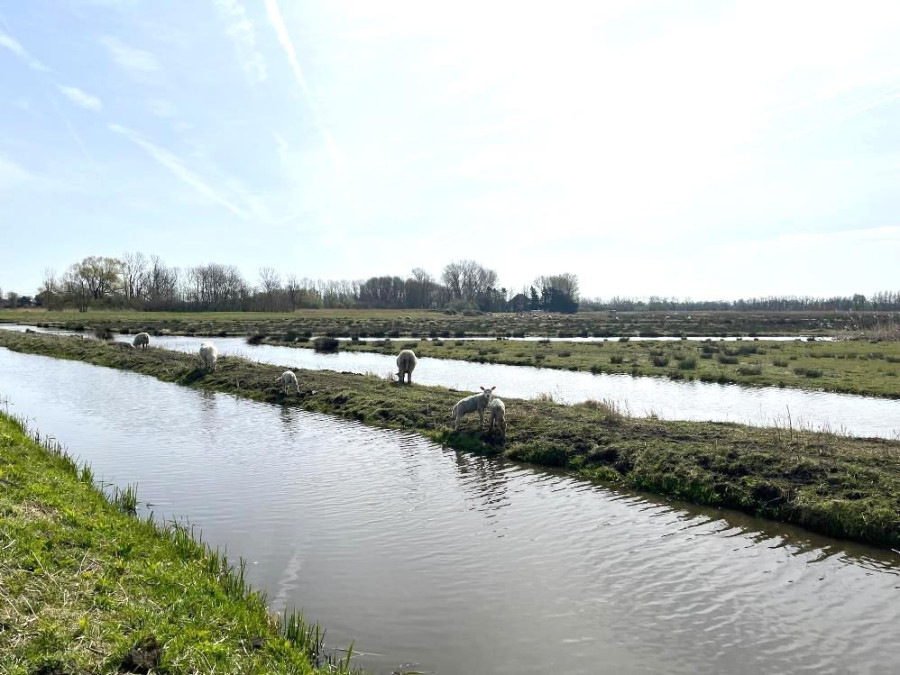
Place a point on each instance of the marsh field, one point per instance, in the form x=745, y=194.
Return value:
x=328, y=493
x=422, y=323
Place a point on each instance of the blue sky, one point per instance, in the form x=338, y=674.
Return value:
x=704, y=150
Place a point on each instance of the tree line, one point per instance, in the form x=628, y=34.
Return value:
x=137, y=281
x=884, y=301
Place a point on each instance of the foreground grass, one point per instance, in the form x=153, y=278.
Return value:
x=87, y=588
x=851, y=367
x=844, y=487
x=428, y=323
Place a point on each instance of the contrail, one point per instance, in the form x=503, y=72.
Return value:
x=847, y=114
x=277, y=22
x=173, y=163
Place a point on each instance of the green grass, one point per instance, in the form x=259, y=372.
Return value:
x=845, y=366
x=88, y=588
x=845, y=487
x=434, y=323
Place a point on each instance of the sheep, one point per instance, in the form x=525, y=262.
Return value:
x=141, y=340
x=208, y=355
x=498, y=414
x=288, y=379
x=406, y=364
x=472, y=403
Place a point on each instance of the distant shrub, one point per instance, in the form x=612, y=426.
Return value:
x=326, y=344
x=750, y=369
x=256, y=339
x=103, y=333
x=709, y=348
x=729, y=360
x=659, y=360
x=781, y=363
x=616, y=358
x=687, y=363
x=564, y=354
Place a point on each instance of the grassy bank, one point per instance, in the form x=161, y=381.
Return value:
x=851, y=367
x=844, y=487
x=427, y=323
x=88, y=588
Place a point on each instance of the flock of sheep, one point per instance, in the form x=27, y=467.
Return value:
x=406, y=364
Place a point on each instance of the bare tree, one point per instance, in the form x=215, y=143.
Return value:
x=49, y=290
x=467, y=280
x=566, y=283
x=134, y=275
x=292, y=290
x=270, y=280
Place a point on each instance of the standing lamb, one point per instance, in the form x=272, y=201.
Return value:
x=289, y=379
x=208, y=355
x=406, y=364
x=498, y=414
x=475, y=402
x=141, y=340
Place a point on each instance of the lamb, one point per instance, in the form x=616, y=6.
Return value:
x=208, y=355
x=472, y=403
x=498, y=414
x=141, y=340
x=289, y=379
x=406, y=364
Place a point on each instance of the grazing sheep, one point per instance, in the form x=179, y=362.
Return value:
x=124, y=345
x=289, y=379
x=475, y=402
x=208, y=355
x=141, y=340
x=406, y=364
x=498, y=414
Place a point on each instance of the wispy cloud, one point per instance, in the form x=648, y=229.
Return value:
x=81, y=98
x=12, y=175
x=130, y=58
x=243, y=34
x=284, y=38
x=175, y=165
x=7, y=41
x=852, y=111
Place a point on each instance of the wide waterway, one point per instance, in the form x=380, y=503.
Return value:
x=668, y=399
x=434, y=560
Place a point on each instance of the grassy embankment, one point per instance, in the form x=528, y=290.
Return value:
x=423, y=323
x=852, y=367
x=844, y=487
x=87, y=587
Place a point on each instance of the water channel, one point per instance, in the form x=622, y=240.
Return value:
x=668, y=399
x=434, y=560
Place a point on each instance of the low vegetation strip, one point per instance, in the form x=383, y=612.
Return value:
x=87, y=587
x=450, y=324
x=864, y=367
x=845, y=487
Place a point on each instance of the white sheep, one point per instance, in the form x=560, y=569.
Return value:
x=470, y=404
x=406, y=364
x=289, y=379
x=141, y=340
x=208, y=355
x=498, y=414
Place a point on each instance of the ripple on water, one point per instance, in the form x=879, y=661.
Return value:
x=423, y=555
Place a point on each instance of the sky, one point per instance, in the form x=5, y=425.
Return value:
x=705, y=150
